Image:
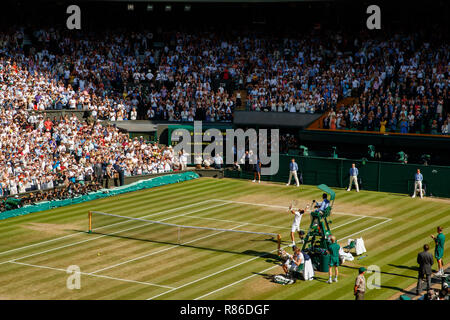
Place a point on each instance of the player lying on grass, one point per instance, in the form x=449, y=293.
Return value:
x=296, y=223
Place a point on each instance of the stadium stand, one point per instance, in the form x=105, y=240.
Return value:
x=394, y=82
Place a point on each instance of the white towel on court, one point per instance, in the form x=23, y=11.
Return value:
x=360, y=248
x=308, y=272
x=345, y=256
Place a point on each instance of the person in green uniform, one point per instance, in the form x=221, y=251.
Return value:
x=439, y=250
x=333, y=250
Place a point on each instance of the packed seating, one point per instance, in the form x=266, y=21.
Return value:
x=37, y=153
x=396, y=85
x=115, y=77
x=400, y=85
x=399, y=82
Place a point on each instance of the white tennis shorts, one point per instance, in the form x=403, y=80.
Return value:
x=295, y=227
x=288, y=263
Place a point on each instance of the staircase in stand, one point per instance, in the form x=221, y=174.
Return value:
x=318, y=124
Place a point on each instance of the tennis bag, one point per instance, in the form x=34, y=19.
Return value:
x=282, y=279
x=445, y=281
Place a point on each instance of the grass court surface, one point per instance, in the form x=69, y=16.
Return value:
x=134, y=260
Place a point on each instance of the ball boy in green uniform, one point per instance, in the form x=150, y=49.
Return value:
x=333, y=250
x=439, y=250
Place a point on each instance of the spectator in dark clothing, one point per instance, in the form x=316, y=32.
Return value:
x=98, y=172
x=425, y=260
x=120, y=174
x=109, y=174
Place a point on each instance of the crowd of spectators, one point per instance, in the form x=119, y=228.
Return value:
x=71, y=190
x=400, y=85
x=121, y=76
x=39, y=153
x=117, y=76
x=292, y=75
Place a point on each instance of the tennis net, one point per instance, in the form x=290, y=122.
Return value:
x=228, y=239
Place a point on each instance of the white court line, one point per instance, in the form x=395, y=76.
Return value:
x=236, y=282
x=234, y=221
x=270, y=226
x=106, y=235
x=213, y=274
x=344, y=224
x=283, y=207
x=272, y=267
x=376, y=225
x=172, y=289
x=360, y=215
x=117, y=223
x=93, y=275
x=162, y=250
x=158, y=213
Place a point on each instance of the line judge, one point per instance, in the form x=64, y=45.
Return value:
x=353, y=178
x=418, y=178
x=293, y=168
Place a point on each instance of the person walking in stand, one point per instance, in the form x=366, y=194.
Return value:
x=425, y=261
x=439, y=250
x=183, y=155
x=418, y=178
x=109, y=174
x=293, y=168
x=360, y=285
x=353, y=178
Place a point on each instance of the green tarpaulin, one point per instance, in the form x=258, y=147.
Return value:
x=103, y=193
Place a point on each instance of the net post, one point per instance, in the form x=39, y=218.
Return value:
x=279, y=242
x=90, y=222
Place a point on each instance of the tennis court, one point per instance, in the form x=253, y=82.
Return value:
x=136, y=259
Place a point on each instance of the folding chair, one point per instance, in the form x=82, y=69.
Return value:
x=351, y=246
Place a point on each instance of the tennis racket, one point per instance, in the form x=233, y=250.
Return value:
x=293, y=204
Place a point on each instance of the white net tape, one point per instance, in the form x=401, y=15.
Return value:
x=182, y=226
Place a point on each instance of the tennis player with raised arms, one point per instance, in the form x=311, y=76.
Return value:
x=296, y=223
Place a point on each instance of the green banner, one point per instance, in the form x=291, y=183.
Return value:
x=138, y=185
x=374, y=175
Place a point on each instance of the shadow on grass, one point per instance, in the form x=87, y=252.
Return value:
x=264, y=275
x=413, y=292
x=413, y=268
x=271, y=256
x=383, y=272
x=270, y=277
x=320, y=279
